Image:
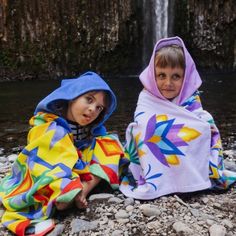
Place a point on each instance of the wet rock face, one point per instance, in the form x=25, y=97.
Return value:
x=208, y=28
x=66, y=38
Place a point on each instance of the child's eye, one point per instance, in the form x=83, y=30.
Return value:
x=176, y=77
x=89, y=99
x=161, y=76
x=100, y=108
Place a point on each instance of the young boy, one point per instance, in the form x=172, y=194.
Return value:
x=67, y=154
x=173, y=144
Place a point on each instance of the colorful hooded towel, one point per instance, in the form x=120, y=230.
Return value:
x=50, y=168
x=173, y=146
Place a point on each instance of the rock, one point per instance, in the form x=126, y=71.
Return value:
x=205, y=200
x=154, y=225
x=227, y=223
x=129, y=201
x=100, y=196
x=205, y=213
x=12, y=157
x=121, y=214
x=78, y=225
x=182, y=229
x=115, y=200
x=217, y=230
x=129, y=208
x=230, y=165
x=117, y=233
x=3, y=159
x=58, y=230
x=150, y=210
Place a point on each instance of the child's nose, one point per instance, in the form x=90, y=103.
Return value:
x=168, y=81
x=92, y=108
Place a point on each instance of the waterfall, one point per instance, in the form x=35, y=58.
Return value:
x=155, y=25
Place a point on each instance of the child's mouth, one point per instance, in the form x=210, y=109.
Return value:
x=88, y=118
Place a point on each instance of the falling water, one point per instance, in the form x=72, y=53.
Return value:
x=161, y=19
x=155, y=25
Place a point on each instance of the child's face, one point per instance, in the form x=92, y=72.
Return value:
x=169, y=81
x=86, y=108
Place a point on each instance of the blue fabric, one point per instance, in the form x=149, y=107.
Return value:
x=73, y=88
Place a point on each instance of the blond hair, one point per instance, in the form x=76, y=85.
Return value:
x=170, y=56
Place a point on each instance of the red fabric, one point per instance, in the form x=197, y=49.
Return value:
x=20, y=229
x=74, y=184
x=85, y=177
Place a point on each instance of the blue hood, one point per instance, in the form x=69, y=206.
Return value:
x=72, y=88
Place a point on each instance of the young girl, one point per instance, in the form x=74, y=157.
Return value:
x=67, y=154
x=173, y=144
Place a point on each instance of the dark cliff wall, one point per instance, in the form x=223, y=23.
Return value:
x=209, y=30
x=66, y=37
x=54, y=38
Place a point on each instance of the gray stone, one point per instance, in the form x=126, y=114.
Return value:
x=115, y=200
x=100, y=196
x=217, y=230
x=129, y=201
x=117, y=233
x=150, y=210
x=182, y=228
x=58, y=230
x=121, y=214
x=12, y=157
x=78, y=225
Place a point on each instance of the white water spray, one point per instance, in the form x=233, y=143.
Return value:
x=155, y=25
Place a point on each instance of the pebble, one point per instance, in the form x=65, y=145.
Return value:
x=12, y=157
x=115, y=200
x=129, y=201
x=181, y=228
x=78, y=225
x=121, y=214
x=100, y=196
x=150, y=210
x=117, y=233
x=198, y=214
x=217, y=230
x=57, y=231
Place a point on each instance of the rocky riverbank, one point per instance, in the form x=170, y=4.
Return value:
x=196, y=214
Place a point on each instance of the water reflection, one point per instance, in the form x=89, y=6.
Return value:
x=18, y=100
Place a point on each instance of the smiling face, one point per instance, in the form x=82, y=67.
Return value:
x=169, y=81
x=86, y=108
x=169, y=70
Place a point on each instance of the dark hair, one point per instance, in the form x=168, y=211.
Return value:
x=60, y=107
x=171, y=55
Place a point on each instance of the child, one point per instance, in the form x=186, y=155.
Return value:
x=67, y=154
x=173, y=144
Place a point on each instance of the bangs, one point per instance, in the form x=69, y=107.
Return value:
x=170, y=56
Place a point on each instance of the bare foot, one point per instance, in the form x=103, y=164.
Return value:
x=80, y=201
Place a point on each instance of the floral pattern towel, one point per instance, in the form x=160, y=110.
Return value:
x=172, y=149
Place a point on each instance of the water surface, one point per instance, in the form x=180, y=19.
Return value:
x=18, y=100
